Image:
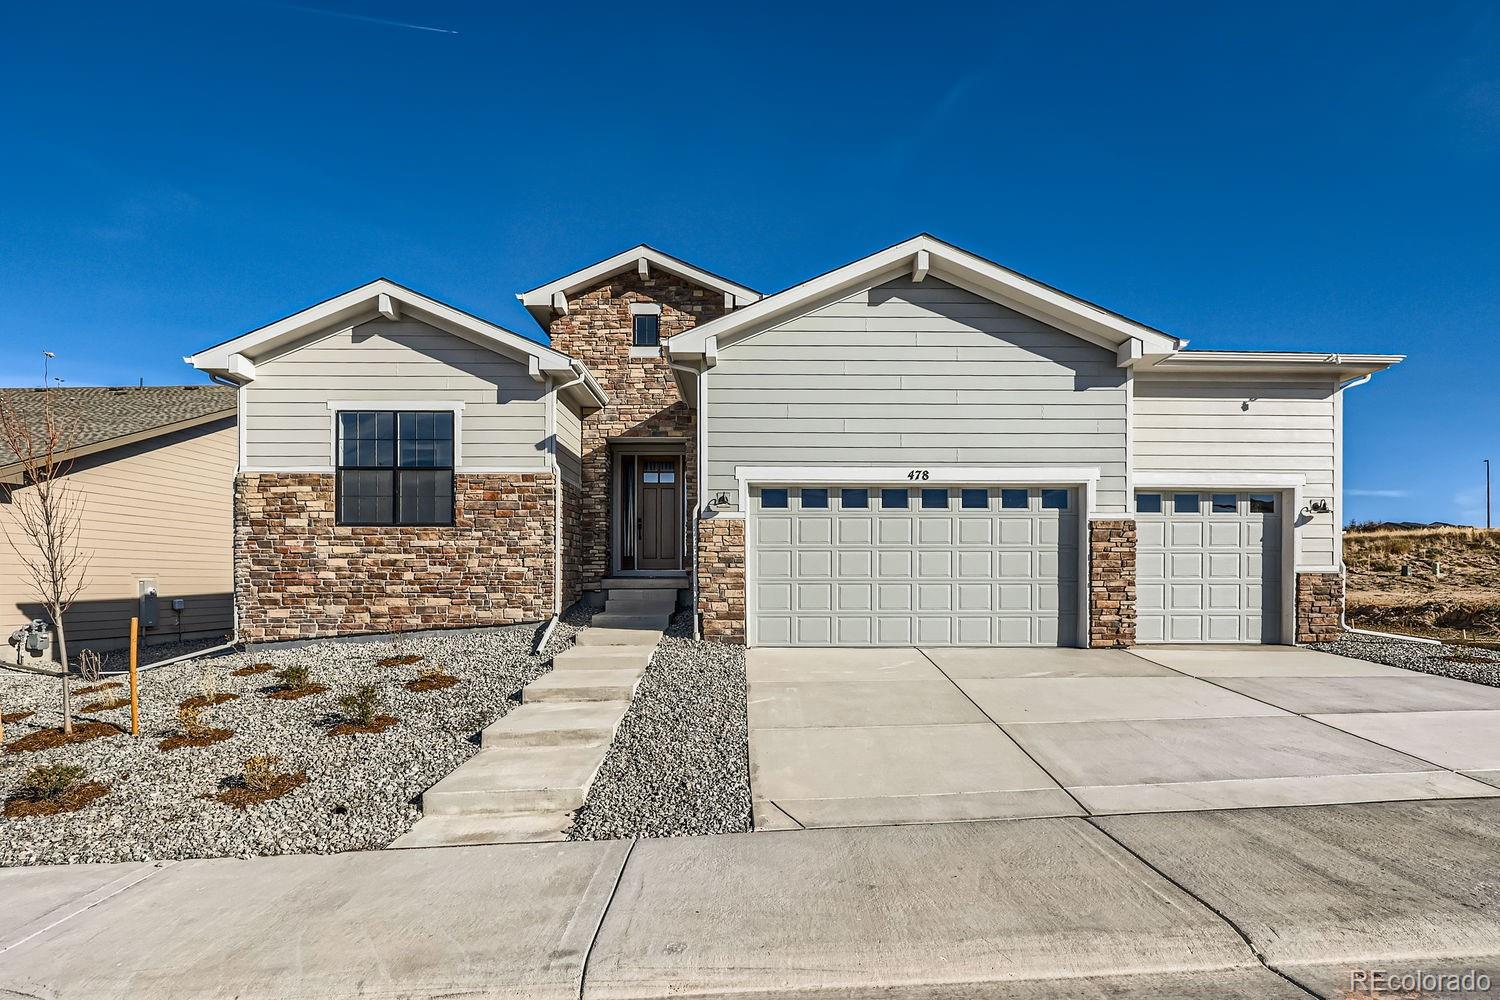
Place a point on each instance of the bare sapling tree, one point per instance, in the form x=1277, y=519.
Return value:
x=43, y=518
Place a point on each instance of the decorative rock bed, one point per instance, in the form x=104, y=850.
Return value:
x=1464, y=663
x=356, y=792
x=679, y=764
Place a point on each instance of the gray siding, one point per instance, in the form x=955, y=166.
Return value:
x=1185, y=424
x=917, y=374
x=504, y=423
x=569, y=442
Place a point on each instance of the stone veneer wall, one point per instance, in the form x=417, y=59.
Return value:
x=298, y=575
x=643, y=396
x=1111, y=583
x=572, y=545
x=721, y=578
x=1320, y=606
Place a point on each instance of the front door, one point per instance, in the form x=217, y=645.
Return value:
x=658, y=506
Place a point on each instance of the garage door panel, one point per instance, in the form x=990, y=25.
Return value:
x=1206, y=574
x=856, y=530
x=929, y=573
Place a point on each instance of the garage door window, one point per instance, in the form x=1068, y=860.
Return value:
x=1014, y=499
x=1262, y=503
x=894, y=499
x=815, y=499
x=1185, y=503
x=855, y=499
x=773, y=499
x=1148, y=503
x=975, y=499
x=1054, y=499
x=1226, y=503
x=934, y=499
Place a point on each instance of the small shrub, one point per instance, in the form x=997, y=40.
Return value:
x=208, y=685
x=50, y=781
x=190, y=721
x=362, y=704
x=295, y=676
x=261, y=774
x=90, y=666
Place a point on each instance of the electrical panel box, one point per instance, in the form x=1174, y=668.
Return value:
x=148, y=604
x=178, y=604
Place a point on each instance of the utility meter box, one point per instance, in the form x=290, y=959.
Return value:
x=148, y=604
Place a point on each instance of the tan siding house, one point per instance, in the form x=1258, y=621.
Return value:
x=158, y=508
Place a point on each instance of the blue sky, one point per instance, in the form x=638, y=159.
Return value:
x=1256, y=176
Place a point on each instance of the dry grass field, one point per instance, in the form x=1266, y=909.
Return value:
x=1443, y=583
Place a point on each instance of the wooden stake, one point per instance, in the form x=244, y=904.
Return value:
x=135, y=712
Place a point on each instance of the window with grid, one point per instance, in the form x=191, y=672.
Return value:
x=647, y=330
x=395, y=467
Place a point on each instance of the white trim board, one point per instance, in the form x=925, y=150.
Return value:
x=1224, y=480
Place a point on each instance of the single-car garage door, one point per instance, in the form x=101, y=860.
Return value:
x=955, y=566
x=1208, y=567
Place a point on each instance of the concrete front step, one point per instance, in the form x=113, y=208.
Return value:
x=604, y=658
x=641, y=602
x=618, y=636
x=516, y=781
x=646, y=582
x=549, y=724
x=618, y=620
x=461, y=831
x=582, y=684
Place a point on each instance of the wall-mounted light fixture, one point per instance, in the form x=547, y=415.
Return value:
x=719, y=502
x=1317, y=507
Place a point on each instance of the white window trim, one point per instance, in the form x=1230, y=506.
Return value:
x=645, y=352
x=645, y=309
x=456, y=407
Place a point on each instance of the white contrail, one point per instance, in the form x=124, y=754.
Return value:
x=362, y=17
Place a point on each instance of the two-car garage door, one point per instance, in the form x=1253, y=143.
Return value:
x=873, y=566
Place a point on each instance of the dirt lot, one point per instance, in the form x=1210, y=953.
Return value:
x=1443, y=583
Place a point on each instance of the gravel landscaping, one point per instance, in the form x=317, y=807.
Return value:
x=1444, y=661
x=679, y=764
x=361, y=791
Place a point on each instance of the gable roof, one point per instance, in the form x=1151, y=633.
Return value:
x=925, y=255
x=235, y=359
x=545, y=301
x=103, y=417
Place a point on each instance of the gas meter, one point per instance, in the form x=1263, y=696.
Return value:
x=35, y=638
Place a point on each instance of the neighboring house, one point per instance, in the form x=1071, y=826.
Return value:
x=154, y=467
x=920, y=447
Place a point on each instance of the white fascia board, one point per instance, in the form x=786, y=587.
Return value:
x=1275, y=362
x=257, y=345
x=1220, y=480
x=948, y=262
x=901, y=475
x=539, y=301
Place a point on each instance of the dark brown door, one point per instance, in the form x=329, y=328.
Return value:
x=659, y=502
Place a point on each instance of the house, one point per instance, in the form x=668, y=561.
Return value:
x=919, y=447
x=154, y=467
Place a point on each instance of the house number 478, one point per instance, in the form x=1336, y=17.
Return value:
x=918, y=474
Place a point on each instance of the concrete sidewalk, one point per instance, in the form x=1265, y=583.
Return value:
x=1046, y=908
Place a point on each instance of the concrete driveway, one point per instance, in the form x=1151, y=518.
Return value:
x=854, y=737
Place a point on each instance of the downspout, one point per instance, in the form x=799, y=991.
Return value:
x=557, y=502
x=698, y=501
x=239, y=461
x=1355, y=383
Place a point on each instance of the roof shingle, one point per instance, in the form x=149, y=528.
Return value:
x=103, y=413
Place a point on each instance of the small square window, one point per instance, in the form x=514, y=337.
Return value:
x=773, y=499
x=894, y=499
x=1185, y=503
x=975, y=499
x=815, y=499
x=1262, y=503
x=1054, y=499
x=855, y=499
x=1015, y=499
x=934, y=499
x=1148, y=503
x=647, y=330
x=1226, y=503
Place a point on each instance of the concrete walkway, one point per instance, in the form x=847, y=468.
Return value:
x=537, y=762
x=847, y=737
x=1237, y=904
